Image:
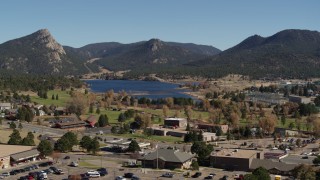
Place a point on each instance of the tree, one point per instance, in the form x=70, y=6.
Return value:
x=250, y=177
x=66, y=142
x=165, y=110
x=304, y=171
x=316, y=161
x=28, y=140
x=86, y=142
x=133, y=146
x=202, y=150
x=291, y=125
x=103, y=120
x=52, y=97
x=98, y=110
x=20, y=126
x=95, y=146
x=283, y=120
x=261, y=173
x=268, y=123
x=13, y=125
x=188, y=127
x=45, y=148
x=188, y=112
x=298, y=142
x=91, y=109
x=121, y=117
x=194, y=165
x=57, y=97
x=15, y=138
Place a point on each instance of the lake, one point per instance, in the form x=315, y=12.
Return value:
x=148, y=89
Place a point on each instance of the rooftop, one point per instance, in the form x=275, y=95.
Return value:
x=169, y=155
x=235, y=153
x=7, y=150
x=269, y=164
x=25, y=155
x=175, y=119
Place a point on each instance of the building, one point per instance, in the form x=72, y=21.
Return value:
x=208, y=137
x=168, y=132
x=25, y=156
x=234, y=159
x=212, y=127
x=91, y=120
x=283, y=132
x=299, y=99
x=267, y=98
x=6, y=151
x=72, y=125
x=5, y=106
x=274, y=167
x=175, y=122
x=167, y=159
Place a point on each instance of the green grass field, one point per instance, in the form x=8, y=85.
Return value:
x=62, y=100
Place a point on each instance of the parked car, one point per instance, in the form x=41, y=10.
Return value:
x=134, y=177
x=102, y=171
x=59, y=171
x=120, y=178
x=128, y=175
x=167, y=174
x=5, y=174
x=196, y=175
x=74, y=164
x=67, y=157
x=93, y=173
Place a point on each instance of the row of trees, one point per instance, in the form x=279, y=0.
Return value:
x=16, y=139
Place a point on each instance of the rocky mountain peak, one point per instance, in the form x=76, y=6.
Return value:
x=44, y=37
x=154, y=44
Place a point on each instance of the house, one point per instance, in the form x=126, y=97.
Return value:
x=6, y=151
x=175, y=122
x=274, y=167
x=167, y=159
x=212, y=127
x=91, y=120
x=208, y=137
x=60, y=111
x=38, y=106
x=4, y=106
x=233, y=159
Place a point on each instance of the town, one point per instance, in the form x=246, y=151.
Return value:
x=76, y=134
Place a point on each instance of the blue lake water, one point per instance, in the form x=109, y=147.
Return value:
x=148, y=89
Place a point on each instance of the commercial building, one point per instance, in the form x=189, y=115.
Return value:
x=283, y=132
x=11, y=154
x=274, y=167
x=234, y=159
x=175, y=122
x=167, y=159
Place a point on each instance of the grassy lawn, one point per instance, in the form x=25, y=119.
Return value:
x=83, y=163
x=62, y=100
x=5, y=133
x=152, y=138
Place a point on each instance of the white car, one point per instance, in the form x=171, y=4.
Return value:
x=93, y=174
x=74, y=164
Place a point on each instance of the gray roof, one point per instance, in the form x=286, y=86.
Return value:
x=169, y=155
x=25, y=155
x=269, y=164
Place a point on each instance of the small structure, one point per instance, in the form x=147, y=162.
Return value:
x=175, y=122
x=167, y=159
x=72, y=125
x=299, y=99
x=208, y=137
x=233, y=159
x=91, y=120
x=5, y=106
x=283, y=132
x=60, y=111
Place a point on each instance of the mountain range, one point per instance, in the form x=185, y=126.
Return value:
x=289, y=54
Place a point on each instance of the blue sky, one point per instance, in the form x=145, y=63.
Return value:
x=220, y=23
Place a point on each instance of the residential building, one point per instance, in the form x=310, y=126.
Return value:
x=167, y=159
x=91, y=120
x=175, y=122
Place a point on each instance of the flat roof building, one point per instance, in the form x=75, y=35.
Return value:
x=6, y=151
x=233, y=159
x=175, y=122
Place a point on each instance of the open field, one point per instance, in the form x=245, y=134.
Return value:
x=62, y=100
x=151, y=138
x=5, y=133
